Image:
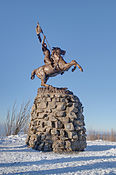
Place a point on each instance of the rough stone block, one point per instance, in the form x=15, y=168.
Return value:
x=48, y=110
x=42, y=105
x=73, y=135
x=54, y=131
x=40, y=115
x=78, y=128
x=69, y=126
x=58, y=124
x=49, y=99
x=61, y=106
x=52, y=105
x=40, y=110
x=51, y=124
x=78, y=122
x=60, y=114
x=64, y=119
x=74, y=109
x=47, y=147
x=62, y=100
x=68, y=145
x=69, y=104
x=78, y=145
x=72, y=115
x=33, y=108
x=63, y=134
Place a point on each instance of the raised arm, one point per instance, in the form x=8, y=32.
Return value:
x=38, y=31
x=43, y=41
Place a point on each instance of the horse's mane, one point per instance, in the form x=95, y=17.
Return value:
x=55, y=48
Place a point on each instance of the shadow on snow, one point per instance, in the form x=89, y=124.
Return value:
x=103, y=165
x=54, y=161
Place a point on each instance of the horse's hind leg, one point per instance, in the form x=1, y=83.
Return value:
x=43, y=83
x=42, y=75
x=33, y=74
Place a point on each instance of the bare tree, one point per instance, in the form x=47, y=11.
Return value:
x=16, y=121
x=112, y=136
x=106, y=135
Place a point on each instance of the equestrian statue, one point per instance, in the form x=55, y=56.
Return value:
x=54, y=62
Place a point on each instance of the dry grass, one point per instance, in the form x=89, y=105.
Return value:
x=106, y=135
x=17, y=121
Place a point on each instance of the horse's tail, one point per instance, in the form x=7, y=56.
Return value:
x=33, y=74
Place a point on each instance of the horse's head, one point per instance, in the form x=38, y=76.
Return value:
x=58, y=51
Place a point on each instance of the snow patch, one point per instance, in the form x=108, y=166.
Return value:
x=16, y=158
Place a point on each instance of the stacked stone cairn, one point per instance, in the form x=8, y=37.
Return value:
x=57, y=123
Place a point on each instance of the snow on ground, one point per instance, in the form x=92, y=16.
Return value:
x=16, y=158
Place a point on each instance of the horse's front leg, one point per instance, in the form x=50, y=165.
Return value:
x=81, y=69
x=76, y=64
x=74, y=68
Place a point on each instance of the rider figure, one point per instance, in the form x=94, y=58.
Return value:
x=46, y=52
x=49, y=59
x=55, y=57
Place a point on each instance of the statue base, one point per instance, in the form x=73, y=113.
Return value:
x=57, y=123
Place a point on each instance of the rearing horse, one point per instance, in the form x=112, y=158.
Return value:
x=46, y=71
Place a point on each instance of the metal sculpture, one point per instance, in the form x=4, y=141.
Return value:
x=54, y=62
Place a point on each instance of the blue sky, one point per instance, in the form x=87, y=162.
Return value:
x=86, y=29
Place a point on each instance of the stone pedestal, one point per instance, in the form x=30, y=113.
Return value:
x=57, y=123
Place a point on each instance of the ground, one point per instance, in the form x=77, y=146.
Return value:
x=16, y=158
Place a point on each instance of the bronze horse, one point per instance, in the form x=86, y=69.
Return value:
x=46, y=71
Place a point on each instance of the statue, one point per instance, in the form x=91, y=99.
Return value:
x=54, y=62
x=57, y=123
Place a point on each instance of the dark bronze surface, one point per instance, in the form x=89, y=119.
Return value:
x=54, y=62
